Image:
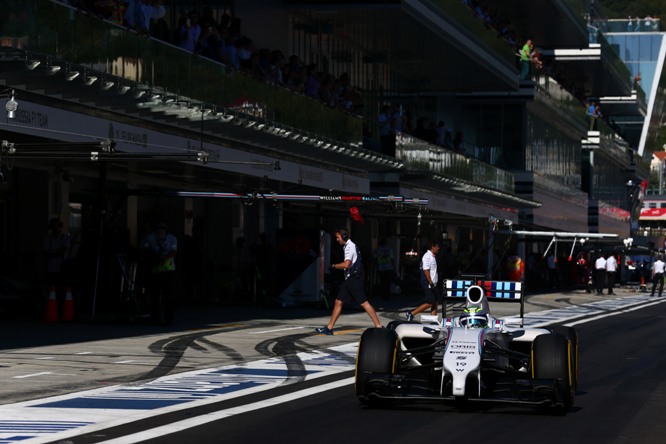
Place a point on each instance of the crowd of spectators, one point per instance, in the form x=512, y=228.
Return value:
x=635, y=24
x=221, y=39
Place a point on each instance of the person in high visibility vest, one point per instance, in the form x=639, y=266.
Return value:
x=160, y=248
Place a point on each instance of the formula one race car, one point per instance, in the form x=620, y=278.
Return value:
x=469, y=358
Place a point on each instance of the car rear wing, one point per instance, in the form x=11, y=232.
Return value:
x=495, y=291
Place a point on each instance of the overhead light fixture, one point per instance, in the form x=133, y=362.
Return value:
x=122, y=89
x=11, y=106
x=107, y=85
x=89, y=80
x=32, y=64
x=71, y=75
x=139, y=93
x=54, y=69
x=4, y=176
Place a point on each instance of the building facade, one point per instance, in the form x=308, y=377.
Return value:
x=118, y=127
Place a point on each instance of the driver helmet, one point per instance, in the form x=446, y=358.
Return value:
x=474, y=317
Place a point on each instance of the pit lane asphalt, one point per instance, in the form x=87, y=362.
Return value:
x=45, y=359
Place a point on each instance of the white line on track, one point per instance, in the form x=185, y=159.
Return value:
x=273, y=331
x=210, y=417
x=32, y=374
x=614, y=313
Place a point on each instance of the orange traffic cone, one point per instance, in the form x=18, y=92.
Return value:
x=51, y=314
x=68, y=309
x=643, y=287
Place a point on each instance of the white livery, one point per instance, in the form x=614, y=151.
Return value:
x=471, y=357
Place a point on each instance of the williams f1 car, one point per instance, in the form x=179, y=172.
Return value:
x=472, y=357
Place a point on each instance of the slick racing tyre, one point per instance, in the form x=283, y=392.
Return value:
x=572, y=335
x=377, y=352
x=551, y=359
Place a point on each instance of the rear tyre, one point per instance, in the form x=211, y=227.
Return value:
x=551, y=359
x=377, y=353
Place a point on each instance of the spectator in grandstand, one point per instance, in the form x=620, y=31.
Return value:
x=210, y=44
x=245, y=48
x=448, y=139
x=325, y=91
x=276, y=68
x=459, y=144
x=207, y=19
x=591, y=114
x=536, y=59
x=525, y=55
x=647, y=24
x=421, y=130
x=408, y=123
x=441, y=131
x=103, y=8
x=231, y=52
x=312, y=81
x=386, y=131
x=189, y=31
x=295, y=73
x=254, y=68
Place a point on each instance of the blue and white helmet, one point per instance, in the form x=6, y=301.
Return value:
x=473, y=317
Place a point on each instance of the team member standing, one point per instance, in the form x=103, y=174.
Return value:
x=160, y=248
x=429, y=280
x=352, y=287
x=600, y=273
x=611, y=269
x=658, y=275
x=385, y=270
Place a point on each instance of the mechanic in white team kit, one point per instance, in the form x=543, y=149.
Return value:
x=352, y=287
x=658, y=275
x=611, y=269
x=600, y=273
x=428, y=279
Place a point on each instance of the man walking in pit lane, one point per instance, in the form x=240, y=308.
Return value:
x=429, y=278
x=352, y=287
x=658, y=275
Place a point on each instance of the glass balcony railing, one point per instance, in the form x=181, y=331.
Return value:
x=67, y=36
x=635, y=24
x=423, y=156
x=76, y=38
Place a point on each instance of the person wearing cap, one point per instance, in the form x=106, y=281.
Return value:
x=161, y=248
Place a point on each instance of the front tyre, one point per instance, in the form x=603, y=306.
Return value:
x=551, y=359
x=377, y=352
x=572, y=335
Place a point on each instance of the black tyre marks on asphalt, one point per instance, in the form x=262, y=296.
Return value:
x=287, y=348
x=174, y=348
